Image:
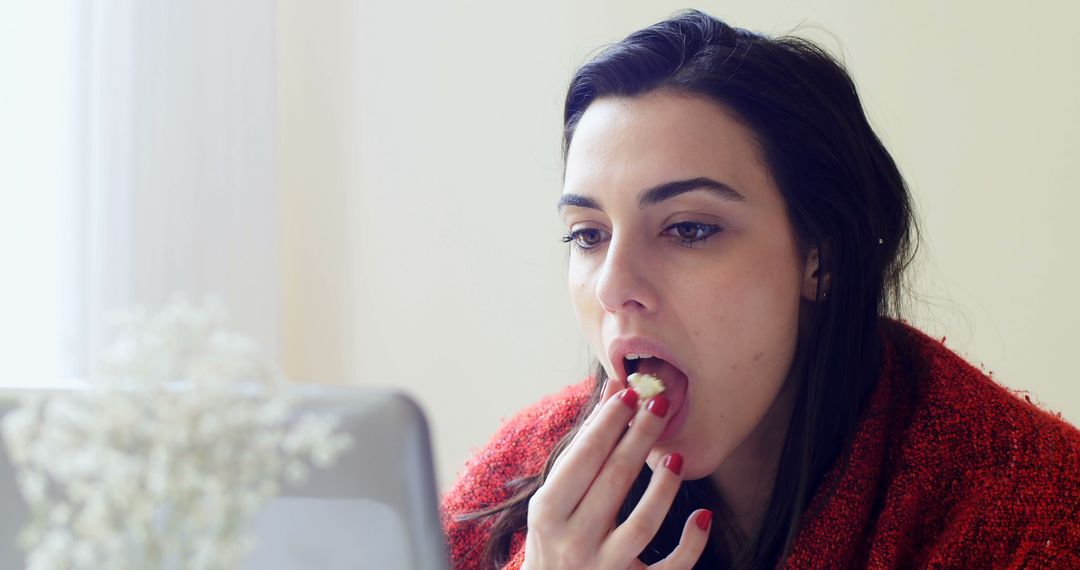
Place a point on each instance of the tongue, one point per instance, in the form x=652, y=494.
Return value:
x=662, y=369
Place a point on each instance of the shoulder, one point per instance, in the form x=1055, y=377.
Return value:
x=1011, y=469
x=519, y=448
x=988, y=424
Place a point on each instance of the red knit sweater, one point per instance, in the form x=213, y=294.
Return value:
x=959, y=472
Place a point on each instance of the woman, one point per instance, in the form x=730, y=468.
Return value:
x=738, y=230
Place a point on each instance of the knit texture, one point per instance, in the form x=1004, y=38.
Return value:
x=948, y=469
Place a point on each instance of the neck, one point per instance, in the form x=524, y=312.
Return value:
x=745, y=479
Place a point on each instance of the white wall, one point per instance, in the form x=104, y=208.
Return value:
x=419, y=149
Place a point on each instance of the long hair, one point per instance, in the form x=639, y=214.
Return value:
x=844, y=195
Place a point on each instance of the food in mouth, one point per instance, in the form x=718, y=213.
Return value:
x=646, y=385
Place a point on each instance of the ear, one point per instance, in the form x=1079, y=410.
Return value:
x=815, y=268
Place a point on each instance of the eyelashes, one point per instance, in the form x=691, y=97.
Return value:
x=687, y=234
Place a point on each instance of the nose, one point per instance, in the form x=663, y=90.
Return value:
x=625, y=283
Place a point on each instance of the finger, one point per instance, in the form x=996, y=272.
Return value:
x=611, y=387
x=638, y=530
x=695, y=536
x=571, y=478
x=608, y=491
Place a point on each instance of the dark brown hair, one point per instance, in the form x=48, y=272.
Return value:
x=844, y=195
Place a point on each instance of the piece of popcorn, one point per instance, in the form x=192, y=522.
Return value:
x=646, y=385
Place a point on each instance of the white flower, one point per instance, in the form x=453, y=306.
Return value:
x=32, y=485
x=163, y=464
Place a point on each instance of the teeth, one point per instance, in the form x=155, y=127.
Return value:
x=635, y=356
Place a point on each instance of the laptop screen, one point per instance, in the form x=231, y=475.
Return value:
x=376, y=507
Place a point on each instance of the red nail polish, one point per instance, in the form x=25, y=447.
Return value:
x=629, y=397
x=658, y=406
x=703, y=519
x=674, y=463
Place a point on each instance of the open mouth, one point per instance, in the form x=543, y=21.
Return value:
x=676, y=386
x=656, y=366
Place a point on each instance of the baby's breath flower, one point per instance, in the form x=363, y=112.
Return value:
x=184, y=438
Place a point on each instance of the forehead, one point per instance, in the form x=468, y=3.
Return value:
x=639, y=142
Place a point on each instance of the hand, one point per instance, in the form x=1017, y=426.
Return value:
x=571, y=517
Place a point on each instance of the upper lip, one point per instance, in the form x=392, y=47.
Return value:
x=621, y=346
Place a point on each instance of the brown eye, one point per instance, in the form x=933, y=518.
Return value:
x=588, y=238
x=687, y=231
x=692, y=233
x=585, y=239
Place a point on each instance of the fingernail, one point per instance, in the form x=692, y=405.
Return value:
x=629, y=397
x=674, y=463
x=658, y=406
x=703, y=519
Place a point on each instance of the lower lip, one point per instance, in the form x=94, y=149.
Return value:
x=676, y=423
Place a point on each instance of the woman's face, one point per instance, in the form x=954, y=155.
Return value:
x=707, y=272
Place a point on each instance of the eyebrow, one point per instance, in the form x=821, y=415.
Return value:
x=657, y=194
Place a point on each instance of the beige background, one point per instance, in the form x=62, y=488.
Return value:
x=419, y=152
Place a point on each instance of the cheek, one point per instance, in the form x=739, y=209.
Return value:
x=746, y=322
x=586, y=305
x=582, y=293
x=760, y=290
x=730, y=299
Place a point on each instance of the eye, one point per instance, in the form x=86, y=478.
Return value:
x=692, y=233
x=584, y=239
